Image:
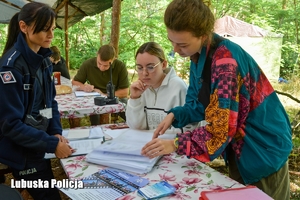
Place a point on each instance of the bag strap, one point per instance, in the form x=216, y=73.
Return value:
x=204, y=92
x=31, y=87
x=206, y=74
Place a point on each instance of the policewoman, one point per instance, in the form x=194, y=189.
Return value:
x=29, y=117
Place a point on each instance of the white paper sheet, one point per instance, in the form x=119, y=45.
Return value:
x=76, y=134
x=101, y=194
x=83, y=140
x=84, y=94
x=114, y=133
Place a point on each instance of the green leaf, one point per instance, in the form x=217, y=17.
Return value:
x=208, y=175
x=78, y=175
x=190, y=188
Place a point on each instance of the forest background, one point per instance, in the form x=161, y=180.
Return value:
x=142, y=21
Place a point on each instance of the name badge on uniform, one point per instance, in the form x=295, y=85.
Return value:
x=47, y=112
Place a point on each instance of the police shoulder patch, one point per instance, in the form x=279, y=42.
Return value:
x=7, y=77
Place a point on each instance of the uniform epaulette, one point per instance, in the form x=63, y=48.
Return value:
x=9, y=58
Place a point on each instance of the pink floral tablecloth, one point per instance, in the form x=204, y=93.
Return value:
x=71, y=106
x=189, y=176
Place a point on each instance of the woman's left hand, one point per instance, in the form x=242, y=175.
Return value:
x=158, y=147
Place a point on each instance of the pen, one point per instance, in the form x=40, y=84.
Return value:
x=103, y=140
x=73, y=150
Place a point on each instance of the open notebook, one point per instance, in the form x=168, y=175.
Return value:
x=83, y=140
x=124, y=152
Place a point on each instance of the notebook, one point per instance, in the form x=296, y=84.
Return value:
x=107, y=184
x=244, y=193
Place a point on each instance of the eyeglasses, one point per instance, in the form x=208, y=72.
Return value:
x=149, y=68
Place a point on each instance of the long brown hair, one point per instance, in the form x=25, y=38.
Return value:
x=190, y=15
x=153, y=49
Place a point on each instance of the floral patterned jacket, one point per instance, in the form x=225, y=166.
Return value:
x=243, y=111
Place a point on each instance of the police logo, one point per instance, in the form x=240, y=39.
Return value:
x=7, y=77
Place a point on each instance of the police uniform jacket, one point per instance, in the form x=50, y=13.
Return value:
x=19, y=141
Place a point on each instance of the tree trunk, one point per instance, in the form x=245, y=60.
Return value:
x=102, y=27
x=115, y=28
x=296, y=22
x=66, y=35
x=283, y=6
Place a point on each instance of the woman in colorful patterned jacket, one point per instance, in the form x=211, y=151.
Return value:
x=246, y=123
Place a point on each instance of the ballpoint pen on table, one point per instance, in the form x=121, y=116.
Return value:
x=105, y=139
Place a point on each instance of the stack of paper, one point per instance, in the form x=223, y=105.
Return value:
x=124, y=152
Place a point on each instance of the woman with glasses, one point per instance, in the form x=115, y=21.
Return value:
x=247, y=124
x=157, y=90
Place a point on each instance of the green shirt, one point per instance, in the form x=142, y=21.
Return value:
x=89, y=72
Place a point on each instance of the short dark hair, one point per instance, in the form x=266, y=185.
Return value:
x=106, y=52
x=55, y=53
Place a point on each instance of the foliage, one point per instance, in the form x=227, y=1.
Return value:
x=142, y=21
x=281, y=17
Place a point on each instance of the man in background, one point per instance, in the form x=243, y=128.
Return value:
x=94, y=74
x=59, y=63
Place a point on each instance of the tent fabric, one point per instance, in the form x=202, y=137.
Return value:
x=264, y=46
x=230, y=26
x=10, y=7
x=77, y=9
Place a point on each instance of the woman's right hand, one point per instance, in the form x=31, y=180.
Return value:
x=137, y=88
x=63, y=150
x=164, y=125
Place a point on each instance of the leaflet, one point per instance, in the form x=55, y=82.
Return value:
x=107, y=184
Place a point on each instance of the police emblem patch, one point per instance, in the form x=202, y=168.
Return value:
x=7, y=77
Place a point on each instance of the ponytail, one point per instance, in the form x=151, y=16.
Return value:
x=12, y=33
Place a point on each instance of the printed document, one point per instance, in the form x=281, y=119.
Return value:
x=124, y=152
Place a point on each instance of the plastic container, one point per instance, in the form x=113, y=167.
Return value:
x=56, y=76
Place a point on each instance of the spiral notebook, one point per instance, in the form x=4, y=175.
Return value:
x=107, y=184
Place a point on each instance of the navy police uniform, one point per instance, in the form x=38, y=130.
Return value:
x=23, y=147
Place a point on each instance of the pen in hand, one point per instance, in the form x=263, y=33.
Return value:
x=73, y=150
